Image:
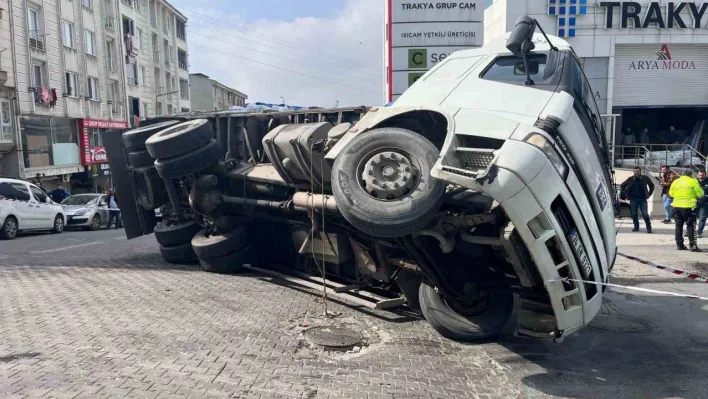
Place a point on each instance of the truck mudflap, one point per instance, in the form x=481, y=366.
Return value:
x=136, y=220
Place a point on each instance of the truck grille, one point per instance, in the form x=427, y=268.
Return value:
x=570, y=231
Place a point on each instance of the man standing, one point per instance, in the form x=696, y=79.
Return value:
x=665, y=181
x=702, y=203
x=637, y=189
x=59, y=194
x=685, y=191
x=113, y=210
x=644, y=136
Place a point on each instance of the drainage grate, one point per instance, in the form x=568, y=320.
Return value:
x=335, y=337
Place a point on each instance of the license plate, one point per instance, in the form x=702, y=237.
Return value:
x=580, y=255
x=601, y=195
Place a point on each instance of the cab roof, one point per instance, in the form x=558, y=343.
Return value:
x=498, y=46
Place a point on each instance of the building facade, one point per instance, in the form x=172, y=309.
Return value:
x=645, y=61
x=209, y=95
x=156, y=61
x=63, y=74
x=10, y=154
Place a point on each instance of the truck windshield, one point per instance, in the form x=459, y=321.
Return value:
x=511, y=69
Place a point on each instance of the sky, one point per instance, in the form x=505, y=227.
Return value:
x=309, y=52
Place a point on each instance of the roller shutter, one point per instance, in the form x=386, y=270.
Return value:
x=661, y=75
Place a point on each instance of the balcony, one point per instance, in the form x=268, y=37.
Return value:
x=181, y=36
x=183, y=65
x=153, y=19
x=131, y=81
x=156, y=57
x=184, y=95
x=166, y=28
x=38, y=98
x=112, y=65
x=115, y=108
x=37, y=40
x=110, y=23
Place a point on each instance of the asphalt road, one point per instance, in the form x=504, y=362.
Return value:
x=90, y=314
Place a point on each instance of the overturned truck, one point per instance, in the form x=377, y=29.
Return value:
x=484, y=188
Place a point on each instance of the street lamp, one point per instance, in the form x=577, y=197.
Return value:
x=283, y=99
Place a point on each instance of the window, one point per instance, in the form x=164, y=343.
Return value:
x=38, y=75
x=158, y=108
x=89, y=43
x=141, y=39
x=181, y=31
x=93, y=89
x=110, y=57
x=583, y=92
x=184, y=110
x=6, y=191
x=86, y=3
x=21, y=191
x=6, y=120
x=72, y=90
x=95, y=138
x=67, y=34
x=145, y=110
x=131, y=72
x=156, y=78
x=39, y=195
x=141, y=76
x=33, y=16
x=184, y=89
x=35, y=29
x=511, y=69
x=128, y=26
x=169, y=109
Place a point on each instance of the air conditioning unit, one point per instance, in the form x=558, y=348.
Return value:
x=65, y=178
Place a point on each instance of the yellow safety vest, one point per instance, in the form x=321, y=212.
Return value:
x=685, y=191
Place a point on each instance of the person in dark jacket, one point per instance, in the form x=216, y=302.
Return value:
x=637, y=189
x=665, y=181
x=59, y=194
x=702, y=203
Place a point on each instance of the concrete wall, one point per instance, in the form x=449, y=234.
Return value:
x=201, y=93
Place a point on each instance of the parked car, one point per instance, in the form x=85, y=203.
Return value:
x=87, y=211
x=25, y=207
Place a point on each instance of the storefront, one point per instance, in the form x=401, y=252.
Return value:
x=96, y=176
x=645, y=61
x=50, y=149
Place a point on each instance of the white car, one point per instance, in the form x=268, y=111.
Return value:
x=25, y=207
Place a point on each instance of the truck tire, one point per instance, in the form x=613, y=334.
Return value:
x=381, y=181
x=229, y=263
x=150, y=192
x=180, y=139
x=216, y=246
x=176, y=234
x=191, y=162
x=140, y=159
x=178, y=254
x=450, y=324
x=135, y=139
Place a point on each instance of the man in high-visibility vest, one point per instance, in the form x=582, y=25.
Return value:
x=685, y=191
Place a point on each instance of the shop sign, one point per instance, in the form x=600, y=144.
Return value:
x=678, y=15
x=663, y=61
x=95, y=154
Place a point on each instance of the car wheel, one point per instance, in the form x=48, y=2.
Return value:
x=9, y=228
x=178, y=254
x=176, y=234
x=139, y=159
x=189, y=163
x=229, y=263
x=95, y=222
x=180, y=139
x=214, y=246
x=381, y=181
x=58, y=225
x=135, y=139
x=485, y=319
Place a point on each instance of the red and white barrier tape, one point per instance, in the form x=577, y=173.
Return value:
x=678, y=272
x=629, y=288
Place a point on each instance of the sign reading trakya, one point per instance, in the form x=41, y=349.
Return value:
x=420, y=34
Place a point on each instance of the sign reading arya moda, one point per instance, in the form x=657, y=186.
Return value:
x=664, y=60
x=420, y=33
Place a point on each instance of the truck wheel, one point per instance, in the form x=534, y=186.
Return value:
x=139, y=159
x=382, y=182
x=481, y=319
x=191, y=162
x=178, y=254
x=227, y=264
x=215, y=246
x=135, y=139
x=180, y=139
x=176, y=234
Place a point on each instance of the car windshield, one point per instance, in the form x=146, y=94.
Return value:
x=82, y=199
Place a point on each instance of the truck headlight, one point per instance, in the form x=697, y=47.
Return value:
x=544, y=145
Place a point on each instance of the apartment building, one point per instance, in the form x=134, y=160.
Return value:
x=156, y=61
x=210, y=95
x=10, y=156
x=66, y=86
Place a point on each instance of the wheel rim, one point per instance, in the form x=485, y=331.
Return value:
x=389, y=174
x=472, y=305
x=96, y=222
x=10, y=228
x=58, y=224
